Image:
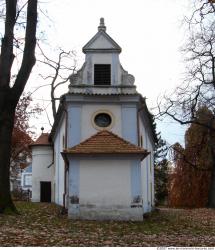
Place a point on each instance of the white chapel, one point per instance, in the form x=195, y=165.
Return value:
x=97, y=162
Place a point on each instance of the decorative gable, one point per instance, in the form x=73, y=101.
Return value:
x=102, y=42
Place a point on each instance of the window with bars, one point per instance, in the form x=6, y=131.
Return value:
x=102, y=74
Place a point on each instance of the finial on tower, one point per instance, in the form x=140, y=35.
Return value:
x=42, y=129
x=102, y=24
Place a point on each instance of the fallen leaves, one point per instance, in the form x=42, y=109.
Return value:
x=40, y=224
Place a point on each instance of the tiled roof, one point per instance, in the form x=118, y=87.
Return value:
x=43, y=139
x=23, y=165
x=27, y=167
x=105, y=142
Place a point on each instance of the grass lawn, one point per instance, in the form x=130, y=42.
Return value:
x=41, y=224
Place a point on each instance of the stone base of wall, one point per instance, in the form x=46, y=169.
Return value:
x=35, y=200
x=91, y=212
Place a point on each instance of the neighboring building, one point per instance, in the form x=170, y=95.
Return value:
x=20, y=183
x=20, y=157
x=26, y=178
x=20, y=178
x=15, y=181
x=102, y=140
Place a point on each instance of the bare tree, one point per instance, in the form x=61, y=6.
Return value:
x=198, y=88
x=10, y=92
x=59, y=70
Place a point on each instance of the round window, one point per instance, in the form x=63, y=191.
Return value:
x=103, y=120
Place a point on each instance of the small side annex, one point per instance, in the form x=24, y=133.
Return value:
x=105, y=178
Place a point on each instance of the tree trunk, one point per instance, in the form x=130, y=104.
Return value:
x=211, y=197
x=9, y=97
x=6, y=129
x=211, y=194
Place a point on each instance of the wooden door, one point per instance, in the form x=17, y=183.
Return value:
x=45, y=191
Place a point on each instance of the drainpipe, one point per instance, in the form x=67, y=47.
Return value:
x=66, y=165
x=138, y=128
x=138, y=125
x=52, y=162
x=52, y=157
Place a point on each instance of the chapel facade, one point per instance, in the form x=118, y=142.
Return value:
x=99, y=154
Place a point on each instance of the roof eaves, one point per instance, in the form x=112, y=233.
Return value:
x=40, y=144
x=142, y=155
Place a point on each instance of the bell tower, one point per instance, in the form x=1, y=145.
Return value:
x=102, y=71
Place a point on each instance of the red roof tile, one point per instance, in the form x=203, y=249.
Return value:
x=23, y=165
x=42, y=140
x=105, y=142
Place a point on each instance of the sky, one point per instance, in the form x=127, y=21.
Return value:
x=150, y=34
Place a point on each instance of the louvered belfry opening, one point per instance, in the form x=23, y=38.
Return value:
x=102, y=74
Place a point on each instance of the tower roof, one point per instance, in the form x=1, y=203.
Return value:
x=101, y=42
x=106, y=142
x=42, y=140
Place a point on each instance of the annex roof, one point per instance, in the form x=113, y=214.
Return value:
x=106, y=142
x=42, y=140
x=26, y=167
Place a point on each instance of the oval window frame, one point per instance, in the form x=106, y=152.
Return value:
x=102, y=111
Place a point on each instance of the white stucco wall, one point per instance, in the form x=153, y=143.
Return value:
x=105, y=183
x=42, y=157
x=102, y=189
x=147, y=169
x=87, y=125
x=59, y=162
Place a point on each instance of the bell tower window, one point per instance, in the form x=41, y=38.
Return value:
x=102, y=74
